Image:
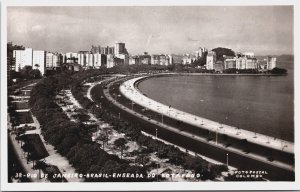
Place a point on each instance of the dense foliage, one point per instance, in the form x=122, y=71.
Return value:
x=175, y=156
x=201, y=61
x=220, y=52
x=28, y=73
x=11, y=48
x=73, y=140
x=277, y=70
x=241, y=71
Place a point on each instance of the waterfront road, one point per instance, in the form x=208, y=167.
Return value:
x=129, y=90
x=106, y=95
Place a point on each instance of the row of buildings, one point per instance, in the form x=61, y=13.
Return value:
x=242, y=61
x=190, y=58
x=118, y=55
x=95, y=58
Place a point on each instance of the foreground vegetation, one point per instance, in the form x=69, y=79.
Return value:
x=73, y=139
x=133, y=131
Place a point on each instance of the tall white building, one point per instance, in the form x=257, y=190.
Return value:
x=110, y=61
x=52, y=60
x=246, y=63
x=210, y=60
x=170, y=59
x=23, y=58
x=71, y=57
x=271, y=63
x=99, y=60
x=188, y=59
x=49, y=60
x=90, y=61
x=82, y=58
x=241, y=63
x=124, y=57
x=120, y=48
x=249, y=54
x=39, y=60
x=55, y=60
x=200, y=52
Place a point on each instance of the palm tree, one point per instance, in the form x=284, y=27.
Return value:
x=37, y=66
x=107, y=131
x=40, y=165
x=102, y=137
x=27, y=148
x=121, y=144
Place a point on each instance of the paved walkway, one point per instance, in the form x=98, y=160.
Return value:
x=173, y=167
x=128, y=90
x=186, y=134
x=54, y=157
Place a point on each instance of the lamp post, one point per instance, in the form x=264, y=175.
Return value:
x=157, y=171
x=216, y=136
x=156, y=133
x=227, y=159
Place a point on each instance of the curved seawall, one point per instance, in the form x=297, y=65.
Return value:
x=129, y=90
x=190, y=137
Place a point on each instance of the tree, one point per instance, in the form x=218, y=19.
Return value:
x=121, y=144
x=277, y=70
x=201, y=61
x=35, y=74
x=28, y=73
x=11, y=48
x=102, y=137
x=142, y=159
x=40, y=165
x=36, y=66
x=220, y=52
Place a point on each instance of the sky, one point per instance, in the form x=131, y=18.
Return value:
x=165, y=29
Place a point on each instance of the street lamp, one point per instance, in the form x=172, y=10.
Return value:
x=156, y=133
x=216, y=136
x=227, y=159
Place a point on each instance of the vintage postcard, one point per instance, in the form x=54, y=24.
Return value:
x=128, y=95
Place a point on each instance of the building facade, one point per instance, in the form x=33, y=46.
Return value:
x=99, y=60
x=145, y=59
x=120, y=48
x=188, y=59
x=271, y=63
x=210, y=60
x=230, y=63
x=39, y=61
x=49, y=60
x=109, y=60
x=23, y=58
x=200, y=52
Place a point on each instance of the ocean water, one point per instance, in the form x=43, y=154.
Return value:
x=263, y=104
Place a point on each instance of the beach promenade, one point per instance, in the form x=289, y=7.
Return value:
x=129, y=90
x=215, y=149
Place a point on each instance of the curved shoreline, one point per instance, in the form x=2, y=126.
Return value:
x=129, y=90
x=192, y=140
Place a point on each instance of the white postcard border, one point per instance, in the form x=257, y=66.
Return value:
x=143, y=186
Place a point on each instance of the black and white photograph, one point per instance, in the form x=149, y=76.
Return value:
x=180, y=95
